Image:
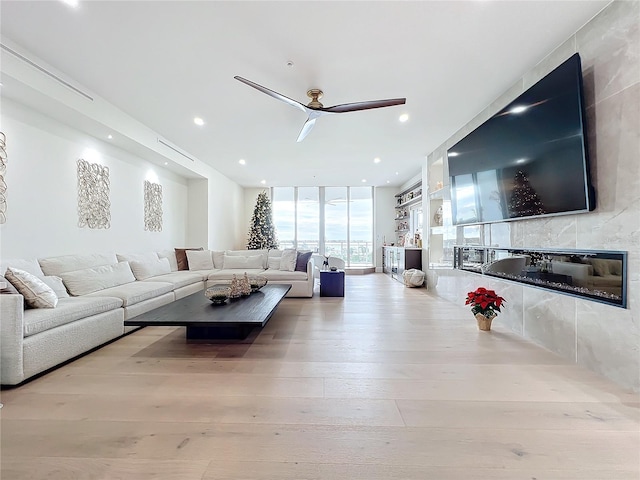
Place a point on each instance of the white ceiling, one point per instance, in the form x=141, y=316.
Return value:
x=164, y=62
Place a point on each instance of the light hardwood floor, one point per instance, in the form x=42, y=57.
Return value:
x=388, y=383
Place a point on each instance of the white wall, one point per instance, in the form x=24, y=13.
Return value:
x=42, y=195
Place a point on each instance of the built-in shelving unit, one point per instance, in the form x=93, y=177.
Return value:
x=404, y=201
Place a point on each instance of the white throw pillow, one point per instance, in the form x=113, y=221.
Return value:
x=274, y=263
x=199, y=259
x=288, y=260
x=137, y=257
x=89, y=280
x=242, y=262
x=36, y=293
x=148, y=269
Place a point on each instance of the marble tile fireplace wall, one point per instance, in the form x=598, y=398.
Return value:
x=600, y=337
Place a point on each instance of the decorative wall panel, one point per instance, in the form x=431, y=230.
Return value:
x=94, y=208
x=152, y=206
x=3, y=185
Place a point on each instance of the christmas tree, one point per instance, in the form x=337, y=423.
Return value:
x=524, y=200
x=262, y=234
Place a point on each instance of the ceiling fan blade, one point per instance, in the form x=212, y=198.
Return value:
x=354, y=107
x=306, y=128
x=273, y=94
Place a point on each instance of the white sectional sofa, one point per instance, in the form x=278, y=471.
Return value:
x=95, y=293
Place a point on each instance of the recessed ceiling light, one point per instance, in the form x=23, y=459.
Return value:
x=109, y=137
x=198, y=121
x=263, y=182
x=388, y=181
x=289, y=63
x=397, y=173
x=404, y=117
x=71, y=3
x=166, y=163
x=518, y=109
x=242, y=161
x=377, y=160
x=364, y=180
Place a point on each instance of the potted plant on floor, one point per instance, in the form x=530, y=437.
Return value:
x=485, y=306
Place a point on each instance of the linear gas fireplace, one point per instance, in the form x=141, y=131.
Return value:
x=598, y=275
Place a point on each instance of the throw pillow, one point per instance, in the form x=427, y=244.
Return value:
x=148, y=269
x=200, y=260
x=302, y=260
x=288, y=260
x=181, y=257
x=36, y=293
x=6, y=287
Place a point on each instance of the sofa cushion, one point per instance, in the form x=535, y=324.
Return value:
x=281, y=275
x=137, y=257
x=302, y=260
x=70, y=263
x=288, y=260
x=36, y=293
x=68, y=310
x=200, y=259
x=171, y=256
x=243, y=262
x=89, y=280
x=55, y=284
x=135, y=292
x=250, y=253
x=180, y=279
x=28, y=265
x=218, y=258
x=273, y=263
x=228, y=274
x=150, y=268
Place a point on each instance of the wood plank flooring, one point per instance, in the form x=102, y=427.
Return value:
x=387, y=383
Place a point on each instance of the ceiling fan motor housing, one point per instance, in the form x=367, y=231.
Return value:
x=314, y=94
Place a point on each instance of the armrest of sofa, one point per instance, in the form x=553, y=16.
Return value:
x=11, y=338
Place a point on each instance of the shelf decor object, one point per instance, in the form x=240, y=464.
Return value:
x=3, y=184
x=152, y=206
x=94, y=207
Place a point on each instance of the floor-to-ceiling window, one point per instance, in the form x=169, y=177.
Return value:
x=307, y=215
x=335, y=221
x=360, y=226
x=284, y=216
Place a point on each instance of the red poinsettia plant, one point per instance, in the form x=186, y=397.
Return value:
x=486, y=302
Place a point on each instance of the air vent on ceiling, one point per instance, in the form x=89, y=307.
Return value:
x=176, y=149
x=45, y=71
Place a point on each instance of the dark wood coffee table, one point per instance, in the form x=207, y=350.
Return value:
x=206, y=321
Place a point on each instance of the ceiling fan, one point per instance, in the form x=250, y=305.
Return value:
x=315, y=109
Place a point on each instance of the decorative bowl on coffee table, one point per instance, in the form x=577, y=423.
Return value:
x=257, y=282
x=218, y=294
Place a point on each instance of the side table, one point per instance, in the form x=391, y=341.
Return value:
x=331, y=283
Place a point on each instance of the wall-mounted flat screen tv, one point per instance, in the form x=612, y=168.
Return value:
x=528, y=160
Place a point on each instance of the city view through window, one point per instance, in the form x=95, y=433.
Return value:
x=335, y=221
